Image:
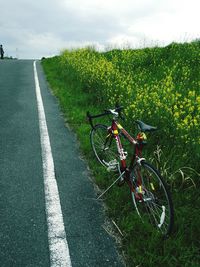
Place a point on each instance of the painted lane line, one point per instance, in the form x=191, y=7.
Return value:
x=58, y=247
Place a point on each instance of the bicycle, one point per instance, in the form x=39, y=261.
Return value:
x=149, y=192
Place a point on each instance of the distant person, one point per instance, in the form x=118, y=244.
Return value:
x=1, y=51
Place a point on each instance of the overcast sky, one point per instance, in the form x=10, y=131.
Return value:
x=32, y=29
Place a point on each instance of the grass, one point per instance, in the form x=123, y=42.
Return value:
x=140, y=246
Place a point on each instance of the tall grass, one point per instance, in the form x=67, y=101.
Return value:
x=161, y=87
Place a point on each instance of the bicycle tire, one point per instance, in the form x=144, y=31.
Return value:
x=151, y=198
x=104, y=147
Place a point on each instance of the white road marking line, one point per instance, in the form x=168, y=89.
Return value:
x=58, y=247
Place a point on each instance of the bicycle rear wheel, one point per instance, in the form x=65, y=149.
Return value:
x=104, y=147
x=151, y=198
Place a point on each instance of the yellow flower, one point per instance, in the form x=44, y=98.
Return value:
x=176, y=115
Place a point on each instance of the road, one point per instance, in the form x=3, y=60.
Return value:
x=48, y=212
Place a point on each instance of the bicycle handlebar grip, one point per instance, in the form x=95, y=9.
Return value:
x=89, y=117
x=119, y=108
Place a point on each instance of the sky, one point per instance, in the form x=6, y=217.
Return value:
x=34, y=29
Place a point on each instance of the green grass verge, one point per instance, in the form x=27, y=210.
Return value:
x=140, y=246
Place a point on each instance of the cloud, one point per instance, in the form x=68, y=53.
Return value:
x=181, y=22
x=42, y=28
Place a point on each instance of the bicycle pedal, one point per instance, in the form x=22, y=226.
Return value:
x=112, y=165
x=111, y=168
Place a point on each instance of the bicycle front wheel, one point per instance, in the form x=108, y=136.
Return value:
x=104, y=147
x=151, y=198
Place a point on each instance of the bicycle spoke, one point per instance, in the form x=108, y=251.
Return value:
x=105, y=150
x=154, y=203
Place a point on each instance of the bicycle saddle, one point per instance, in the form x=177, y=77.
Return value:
x=145, y=127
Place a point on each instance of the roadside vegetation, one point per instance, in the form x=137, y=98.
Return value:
x=161, y=87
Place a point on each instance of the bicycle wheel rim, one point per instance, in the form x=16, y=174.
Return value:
x=152, y=200
x=106, y=153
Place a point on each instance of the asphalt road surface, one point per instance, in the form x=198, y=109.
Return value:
x=48, y=212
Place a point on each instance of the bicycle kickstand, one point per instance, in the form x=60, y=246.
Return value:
x=111, y=185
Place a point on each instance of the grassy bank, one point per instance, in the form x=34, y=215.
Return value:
x=152, y=85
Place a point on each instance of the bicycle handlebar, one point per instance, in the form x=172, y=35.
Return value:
x=117, y=110
x=96, y=116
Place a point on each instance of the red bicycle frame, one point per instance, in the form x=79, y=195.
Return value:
x=138, y=143
x=137, y=155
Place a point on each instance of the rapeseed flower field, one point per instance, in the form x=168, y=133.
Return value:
x=158, y=85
